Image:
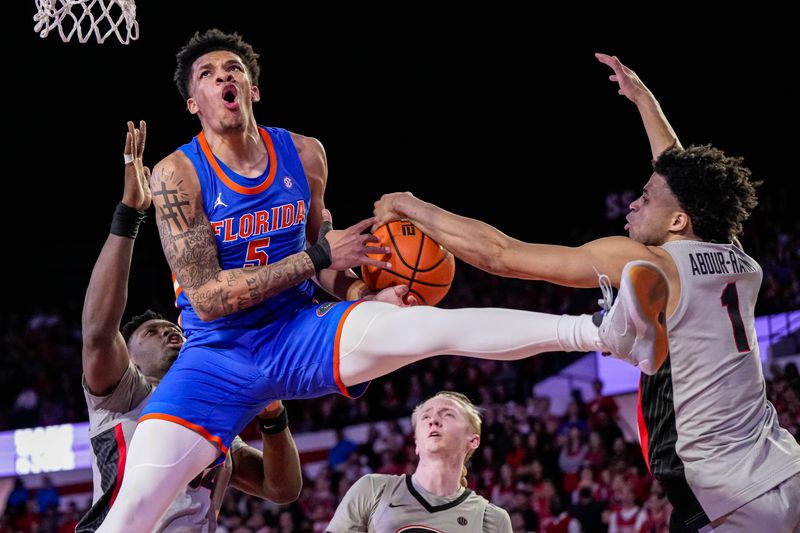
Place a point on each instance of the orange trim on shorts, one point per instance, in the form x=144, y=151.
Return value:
x=336, y=376
x=273, y=165
x=213, y=439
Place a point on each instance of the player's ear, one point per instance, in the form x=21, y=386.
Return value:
x=475, y=441
x=680, y=222
x=191, y=105
x=255, y=94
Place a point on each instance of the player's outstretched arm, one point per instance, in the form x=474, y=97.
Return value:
x=659, y=131
x=489, y=249
x=104, y=354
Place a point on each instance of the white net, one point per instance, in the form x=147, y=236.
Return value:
x=84, y=18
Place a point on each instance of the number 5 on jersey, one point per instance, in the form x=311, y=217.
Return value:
x=256, y=254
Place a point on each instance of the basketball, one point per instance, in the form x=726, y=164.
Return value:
x=417, y=261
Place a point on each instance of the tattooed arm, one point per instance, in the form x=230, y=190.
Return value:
x=191, y=250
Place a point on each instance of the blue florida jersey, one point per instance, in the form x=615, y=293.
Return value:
x=256, y=221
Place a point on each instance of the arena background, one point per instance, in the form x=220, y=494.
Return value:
x=501, y=114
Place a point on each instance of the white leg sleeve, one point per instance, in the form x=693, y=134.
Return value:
x=378, y=338
x=163, y=457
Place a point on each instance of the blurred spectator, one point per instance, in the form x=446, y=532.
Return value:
x=588, y=511
x=17, y=499
x=341, y=450
x=521, y=506
x=47, y=495
x=572, y=456
x=69, y=520
x=629, y=517
x=601, y=403
x=560, y=521
x=658, y=510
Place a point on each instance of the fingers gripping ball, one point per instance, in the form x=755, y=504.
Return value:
x=417, y=261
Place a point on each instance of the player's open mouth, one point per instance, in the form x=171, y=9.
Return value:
x=434, y=434
x=174, y=339
x=229, y=94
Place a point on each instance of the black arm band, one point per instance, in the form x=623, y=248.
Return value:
x=271, y=426
x=126, y=221
x=320, y=254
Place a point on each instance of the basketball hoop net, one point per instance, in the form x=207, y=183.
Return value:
x=85, y=18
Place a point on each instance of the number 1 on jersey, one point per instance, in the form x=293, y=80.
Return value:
x=730, y=300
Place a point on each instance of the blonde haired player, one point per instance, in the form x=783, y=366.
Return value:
x=447, y=431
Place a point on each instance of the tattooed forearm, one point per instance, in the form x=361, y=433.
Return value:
x=269, y=280
x=213, y=302
x=243, y=288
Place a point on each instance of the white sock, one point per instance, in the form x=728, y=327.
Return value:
x=579, y=334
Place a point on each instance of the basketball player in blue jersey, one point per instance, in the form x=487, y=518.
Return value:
x=447, y=431
x=707, y=430
x=121, y=369
x=241, y=215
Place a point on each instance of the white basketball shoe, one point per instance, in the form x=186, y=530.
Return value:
x=634, y=328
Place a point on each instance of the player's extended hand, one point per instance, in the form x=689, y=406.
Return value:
x=137, y=176
x=397, y=295
x=349, y=247
x=386, y=209
x=629, y=83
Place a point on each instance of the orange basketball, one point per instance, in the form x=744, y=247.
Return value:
x=417, y=261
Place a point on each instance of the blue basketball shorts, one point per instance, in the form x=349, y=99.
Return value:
x=224, y=377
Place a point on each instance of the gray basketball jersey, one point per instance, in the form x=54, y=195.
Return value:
x=112, y=421
x=707, y=429
x=379, y=503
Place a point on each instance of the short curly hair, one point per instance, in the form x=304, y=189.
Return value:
x=210, y=41
x=134, y=323
x=714, y=189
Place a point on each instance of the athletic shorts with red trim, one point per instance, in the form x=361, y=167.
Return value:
x=224, y=377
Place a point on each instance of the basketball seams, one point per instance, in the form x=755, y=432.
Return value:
x=439, y=262
x=436, y=262
x=416, y=264
x=396, y=248
x=418, y=295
